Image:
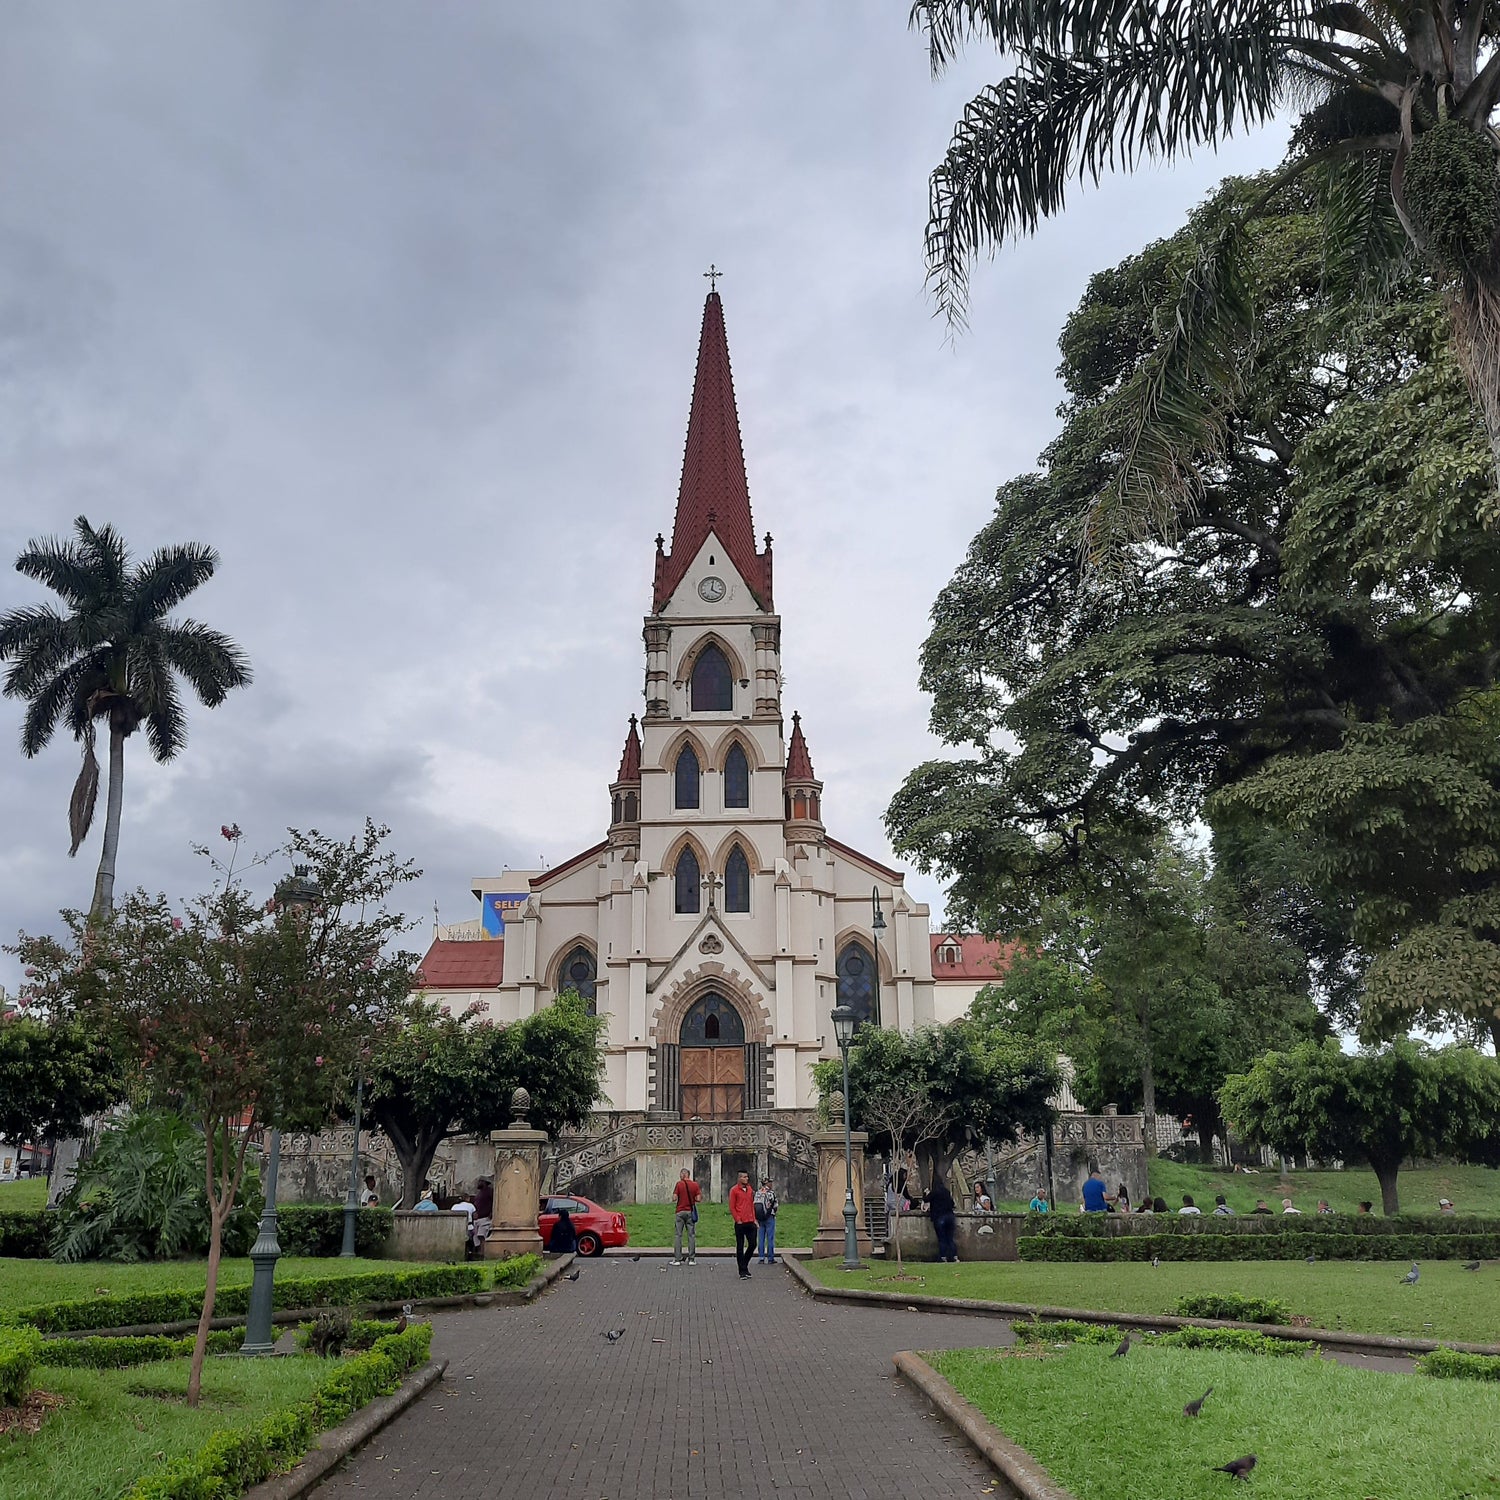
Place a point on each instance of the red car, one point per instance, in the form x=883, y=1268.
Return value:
x=598, y=1229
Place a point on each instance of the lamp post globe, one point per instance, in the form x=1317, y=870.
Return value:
x=296, y=895
x=845, y=1022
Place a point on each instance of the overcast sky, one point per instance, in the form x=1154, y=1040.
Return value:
x=396, y=305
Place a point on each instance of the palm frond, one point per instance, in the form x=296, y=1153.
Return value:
x=106, y=555
x=1175, y=408
x=37, y=639
x=63, y=566
x=154, y=693
x=85, y=796
x=1365, y=250
x=167, y=577
x=208, y=659
x=62, y=697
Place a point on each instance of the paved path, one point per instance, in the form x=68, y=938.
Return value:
x=754, y=1389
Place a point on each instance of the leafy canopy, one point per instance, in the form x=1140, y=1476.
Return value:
x=53, y=1076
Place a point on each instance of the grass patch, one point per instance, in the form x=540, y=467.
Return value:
x=105, y=1437
x=650, y=1224
x=1362, y=1296
x=30, y=1192
x=1114, y=1430
x=1474, y=1190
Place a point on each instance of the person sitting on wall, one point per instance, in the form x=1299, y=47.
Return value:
x=369, y=1197
x=1039, y=1204
x=1261, y=1207
x=424, y=1203
x=484, y=1209
x=564, y=1238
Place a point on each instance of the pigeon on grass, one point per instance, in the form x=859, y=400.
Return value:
x=1194, y=1407
x=1122, y=1349
x=1472, y=1265
x=1238, y=1468
x=1412, y=1277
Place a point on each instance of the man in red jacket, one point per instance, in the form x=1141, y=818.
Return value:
x=742, y=1211
x=685, y=1195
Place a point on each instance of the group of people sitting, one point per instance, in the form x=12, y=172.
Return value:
x=480, y=1208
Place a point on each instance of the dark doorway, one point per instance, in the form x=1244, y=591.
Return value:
x=712, y=1061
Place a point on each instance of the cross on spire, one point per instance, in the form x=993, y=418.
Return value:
x=713, y=273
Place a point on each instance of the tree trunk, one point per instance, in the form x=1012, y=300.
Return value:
x=104, y=882
x=1475, y=310
x=415, y=1154
x=1385, y=1175
x=211, y=1285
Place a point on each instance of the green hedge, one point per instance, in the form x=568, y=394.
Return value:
x=317, y=1229
x=120, y=1353
x=1124, y=1226
x=1235, y=1340
x=305, y=1291
x=18, y=1353
x=1234, y=1307
x=1288, y=1245
x=230, y=1462
x=515, y=1274
x=1454, y=1364
x=23, y=1235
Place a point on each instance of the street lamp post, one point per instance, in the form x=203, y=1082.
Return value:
x=351, y=1203
x=877, y=926
x=844, y=1023
x=297, y=894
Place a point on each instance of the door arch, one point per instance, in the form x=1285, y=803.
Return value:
x=712, y=1049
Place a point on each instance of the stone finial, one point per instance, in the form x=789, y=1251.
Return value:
x=520, y=1107
x=836, y=1107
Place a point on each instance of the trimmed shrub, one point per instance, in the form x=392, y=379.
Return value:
x=1234, y=1308
x=514, y=1274
x=1454, y=1364
x=19, y=1348
x=1065, y=1331
x=1233, y=1340
x=230, y=1462
x=121, y=1353
x=318, y=1229
x=24, y=1235
x=1116, y=1226
x=1287, y=1245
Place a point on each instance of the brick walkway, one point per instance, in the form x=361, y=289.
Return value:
x=754, y=1389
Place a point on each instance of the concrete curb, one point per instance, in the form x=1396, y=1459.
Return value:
x=1330, y=1338
x=1013, y=1463
x=335, y=1445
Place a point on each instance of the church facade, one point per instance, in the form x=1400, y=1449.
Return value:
x=717, y=921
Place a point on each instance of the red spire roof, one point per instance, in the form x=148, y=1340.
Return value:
x=798, y=761
x=630, y=761
x=714, y=495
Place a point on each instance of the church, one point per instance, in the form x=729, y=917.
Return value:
x=717, y=921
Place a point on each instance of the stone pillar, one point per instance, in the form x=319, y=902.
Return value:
x=829, y=1239
x=518, y=1184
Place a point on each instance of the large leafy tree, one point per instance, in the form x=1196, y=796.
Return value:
x=114, y=657
x=1311, y=665
x=1399, y=99
x=1382, y=1107
x=236, y=1011
x=976, y=1085
x=440, y=1075
x=53, y=1076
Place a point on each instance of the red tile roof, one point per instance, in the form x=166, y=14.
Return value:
x=474, y=965
x=714, y=494
x=978, y=957
x=798, y=761
x=630, y=761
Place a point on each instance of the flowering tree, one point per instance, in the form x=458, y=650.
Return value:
x=239, y=1011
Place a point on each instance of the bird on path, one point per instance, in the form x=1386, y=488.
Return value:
x=1412, y=1277
x=1194, y=1407
x=615, y=1335
x=573, y=1275
x=1123, y=1349
x=1473, y=1265
x=1239, y=1468
x=635, y=1257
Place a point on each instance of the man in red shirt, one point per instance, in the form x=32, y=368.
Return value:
x=742, y=1211
x=685, y=1194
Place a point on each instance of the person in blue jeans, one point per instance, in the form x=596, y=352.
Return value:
x=766, y=1205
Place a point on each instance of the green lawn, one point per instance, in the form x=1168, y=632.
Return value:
x=24, y=1283
x=1363, y=1296
x=107, y=1435
x=31, y=1192
x=1114, y=1430
x=651, y=1224
x=1474, y=1190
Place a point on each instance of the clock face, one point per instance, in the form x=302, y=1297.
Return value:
x=711, y=589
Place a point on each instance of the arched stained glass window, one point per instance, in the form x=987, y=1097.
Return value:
x=687, y=778
x=689, y=883
x=737, y=881
x=578, y=971
x=736, y=777
x=712, y=686
x=856, y=981
x=712, y=1021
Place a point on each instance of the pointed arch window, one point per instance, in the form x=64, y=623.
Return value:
x=689, y=879
x=687, y=777
x=855, y=971
x=579, y=971
x=712, y=684
x=737, y=881
x=632, y=808
x=736, y=777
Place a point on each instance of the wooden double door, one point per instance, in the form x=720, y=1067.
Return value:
x=713, y=1083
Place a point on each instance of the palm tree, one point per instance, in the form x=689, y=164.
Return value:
x=1397, y=102
x=113, y=659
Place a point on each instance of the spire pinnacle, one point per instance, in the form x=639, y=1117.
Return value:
x=630, y=760
x=798, y=762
